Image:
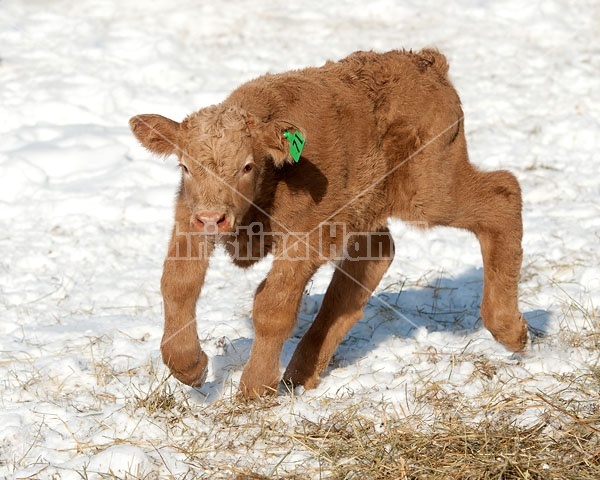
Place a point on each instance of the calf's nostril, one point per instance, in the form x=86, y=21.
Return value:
x=213, y=218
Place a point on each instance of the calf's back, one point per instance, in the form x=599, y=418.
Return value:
x=363, y=118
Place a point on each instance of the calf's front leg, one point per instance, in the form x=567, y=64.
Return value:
x=183, y=275
x=274, y=314
x=353, y=282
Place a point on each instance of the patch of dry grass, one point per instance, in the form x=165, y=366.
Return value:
x=563, y=444
x=454, y=439
x=508, y=430
x=351, y=446
x=376, y=442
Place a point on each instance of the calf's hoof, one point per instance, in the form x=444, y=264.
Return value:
x=191, y=370
x=295, y=377
x=515, y=336
x=246, y=392
x=256, y=385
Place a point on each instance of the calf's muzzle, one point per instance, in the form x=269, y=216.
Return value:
x=211, y=222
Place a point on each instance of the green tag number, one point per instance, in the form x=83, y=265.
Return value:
x=297, y=142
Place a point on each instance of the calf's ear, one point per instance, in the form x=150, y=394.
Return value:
x=270, y=136
x=156, y=133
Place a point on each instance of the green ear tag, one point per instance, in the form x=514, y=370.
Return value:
x=297, y=142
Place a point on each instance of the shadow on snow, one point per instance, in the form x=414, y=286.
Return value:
x=447, y=305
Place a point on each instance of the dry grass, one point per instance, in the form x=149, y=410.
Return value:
x=449, y=438
x=350, y=446
x=565, y=444
x=508, y=430
x=373, y=441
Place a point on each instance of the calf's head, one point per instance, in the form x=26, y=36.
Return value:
x=223, y=153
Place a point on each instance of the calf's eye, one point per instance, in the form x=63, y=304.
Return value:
x=184, y=168
x=247, y=168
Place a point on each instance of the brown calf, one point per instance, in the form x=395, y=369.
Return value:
x=384, y=137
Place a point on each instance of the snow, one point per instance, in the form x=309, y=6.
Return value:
x=85, y=215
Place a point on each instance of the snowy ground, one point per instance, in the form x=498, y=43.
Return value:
x=85, y=214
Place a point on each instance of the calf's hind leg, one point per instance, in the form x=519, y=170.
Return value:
x=489, y=204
